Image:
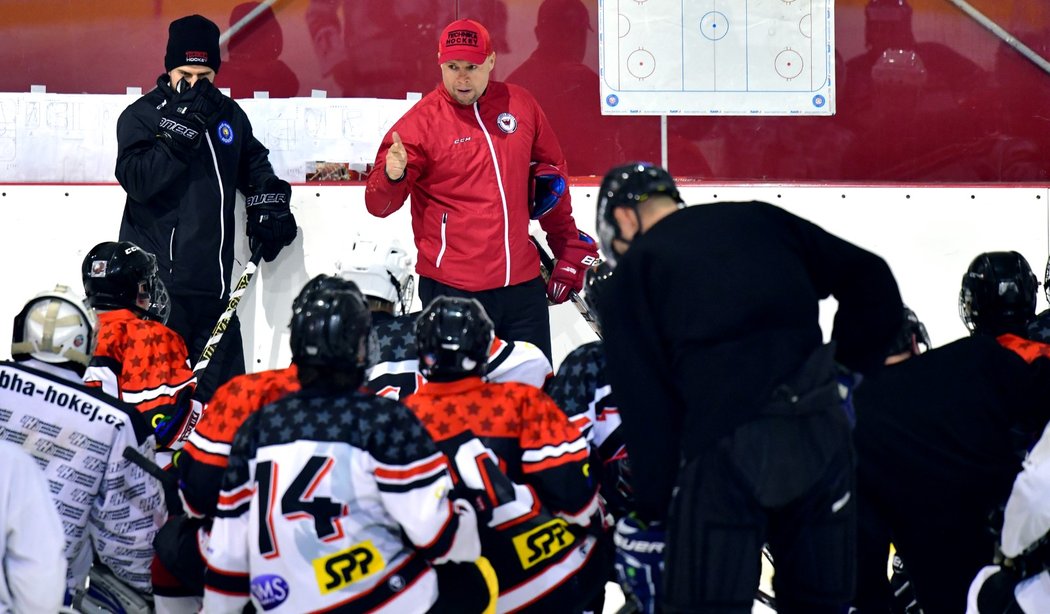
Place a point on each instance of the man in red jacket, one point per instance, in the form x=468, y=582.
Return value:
x=479, y=159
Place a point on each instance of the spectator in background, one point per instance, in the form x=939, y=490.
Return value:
x=592, y=143
x=33, y=577
x=254, y=61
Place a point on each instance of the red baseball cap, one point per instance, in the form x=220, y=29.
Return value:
x=464, y=39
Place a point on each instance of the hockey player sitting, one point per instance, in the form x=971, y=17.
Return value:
x=383, y=271
x=139, y=359
x=333, y=498
x=109, y=508
x=523, y=458
x=941, y=428
x=204, y=459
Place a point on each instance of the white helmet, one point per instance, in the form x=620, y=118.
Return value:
x=382, y=270
x=55, y=326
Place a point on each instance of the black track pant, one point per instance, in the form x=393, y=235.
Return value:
x=194, y=317
x=519, y=312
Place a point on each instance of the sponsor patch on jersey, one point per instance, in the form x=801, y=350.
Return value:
x=225, y=132
x=270, y=590
x=543, y=542
x=341, y=569
x=507, y=122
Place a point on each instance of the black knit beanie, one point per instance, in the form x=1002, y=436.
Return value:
x=194, y=41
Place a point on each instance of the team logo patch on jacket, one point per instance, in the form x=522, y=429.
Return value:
x=507, y=122
x=225, y=132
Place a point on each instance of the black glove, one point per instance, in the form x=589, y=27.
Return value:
x=271, y=224
x=186, y=117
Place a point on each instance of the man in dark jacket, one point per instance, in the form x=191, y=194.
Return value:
x=184, y=150
x=727, y=393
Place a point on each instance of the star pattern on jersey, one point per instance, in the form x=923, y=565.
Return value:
x=488, y=409
x=397, y=338
x=581, y=373
x=386, y=429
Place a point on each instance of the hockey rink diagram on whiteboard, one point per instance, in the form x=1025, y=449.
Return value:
x=706, y=57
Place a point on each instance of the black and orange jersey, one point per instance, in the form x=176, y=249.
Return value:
x=1025, y=348
x=146, y=364
x=207, y=450
x=512, y=442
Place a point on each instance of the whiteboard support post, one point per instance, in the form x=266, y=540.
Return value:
x=663, y=141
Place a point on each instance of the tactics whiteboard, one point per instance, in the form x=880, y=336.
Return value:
x=717, y=57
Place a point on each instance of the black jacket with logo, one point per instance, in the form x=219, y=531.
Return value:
x=181, y=211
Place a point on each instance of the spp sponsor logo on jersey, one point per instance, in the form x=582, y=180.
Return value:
x=348, y=566
x=543, y=542
x=270, y=590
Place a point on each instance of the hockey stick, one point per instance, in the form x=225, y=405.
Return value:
x=224, y=320
x=168, y=482
x=546, y=266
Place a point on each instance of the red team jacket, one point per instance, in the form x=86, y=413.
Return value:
x=143, y=363
x=513, y=443
x=468, y=176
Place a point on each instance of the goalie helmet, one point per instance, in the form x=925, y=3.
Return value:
x=56, y=327
x=912, y=336
x=330, y=326
x=383, y=271
x=453, y=337
x=998, y=294
x=628, y=186
x=121, y=275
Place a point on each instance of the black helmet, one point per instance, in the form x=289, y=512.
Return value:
x=330, y=326
x=998, y=294
x=597, y=284
x=912, y=336
x=627, y=186
x=453, y=336
x=121, y=275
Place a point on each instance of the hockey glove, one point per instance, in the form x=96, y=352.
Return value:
x=271, y=225
x=189, y=115
x=571, y=267
x=639, y=561
x=547, y=186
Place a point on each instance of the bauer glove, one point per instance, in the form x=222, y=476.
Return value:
x=547, y=187
x=570, y=268
x=271, y=225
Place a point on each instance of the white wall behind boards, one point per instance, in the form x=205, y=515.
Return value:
x=928, y=235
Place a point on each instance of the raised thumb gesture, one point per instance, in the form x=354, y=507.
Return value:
x=396, y=159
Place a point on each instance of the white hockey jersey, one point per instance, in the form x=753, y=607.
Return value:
x=396, y=372
x=1027, y=516
x=77, y=436
x=32, y=549
x=334, y=503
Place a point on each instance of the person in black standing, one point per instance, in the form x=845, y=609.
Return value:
x=731, y=411
x=183, y=151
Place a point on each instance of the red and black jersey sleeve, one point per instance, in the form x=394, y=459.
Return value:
x=141, y=362
x=207, y=450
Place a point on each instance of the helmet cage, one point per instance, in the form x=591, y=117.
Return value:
x=55, y=326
